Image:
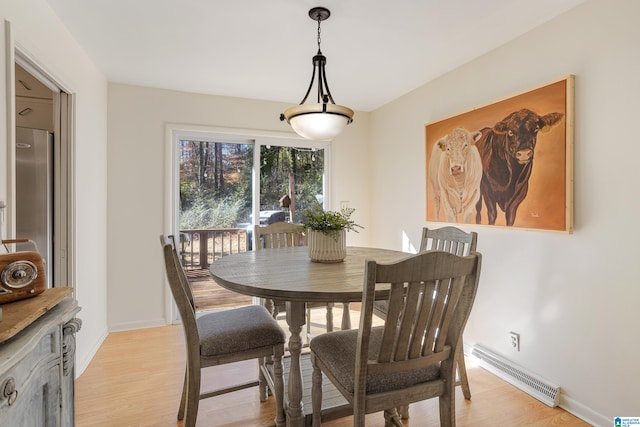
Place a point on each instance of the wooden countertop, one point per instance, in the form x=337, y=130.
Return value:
x=19, y=314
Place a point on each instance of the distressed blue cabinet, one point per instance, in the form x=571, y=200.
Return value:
x=37, y=367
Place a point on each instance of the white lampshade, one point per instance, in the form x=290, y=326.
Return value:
x=318, y=121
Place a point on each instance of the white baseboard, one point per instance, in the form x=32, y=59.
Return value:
x=569, y=404
x=83, y=363
x=130, y=326
x=583, y=412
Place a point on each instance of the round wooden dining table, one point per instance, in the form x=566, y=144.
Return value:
x=288, y=274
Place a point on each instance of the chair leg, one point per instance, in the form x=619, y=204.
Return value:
x=447, y=400
x=270, y=306
x=193, y=396
x=329, y=320
x=447, y=409
x=391, y=418
x=263, y=387
x=346, y=317
x=278, y=382
x=183, y=399
x=316, y=393
x=462, y=372
x=330, y=317
x=403, y=410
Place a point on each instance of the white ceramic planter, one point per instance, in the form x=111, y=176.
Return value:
x=327, y=248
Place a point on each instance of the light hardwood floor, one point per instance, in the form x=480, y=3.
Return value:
x=136, y=378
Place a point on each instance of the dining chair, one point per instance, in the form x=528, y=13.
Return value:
x=458, y=242
x=282, y=235
x=223, y=337
x=412, y=357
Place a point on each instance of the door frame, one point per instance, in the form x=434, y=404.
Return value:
x=64, y=162
x=174, y=132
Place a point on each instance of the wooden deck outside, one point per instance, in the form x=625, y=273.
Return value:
x=208, y=295
x=199, y=248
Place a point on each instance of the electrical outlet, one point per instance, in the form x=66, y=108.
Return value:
x=514, y=340
x=344, y=205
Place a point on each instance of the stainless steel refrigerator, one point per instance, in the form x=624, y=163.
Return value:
x=34, y=172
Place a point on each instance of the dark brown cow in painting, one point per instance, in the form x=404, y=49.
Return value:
x=507, y=152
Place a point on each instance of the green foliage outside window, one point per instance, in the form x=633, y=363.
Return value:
x=216, y=181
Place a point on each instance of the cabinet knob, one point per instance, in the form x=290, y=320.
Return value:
x=9, y=391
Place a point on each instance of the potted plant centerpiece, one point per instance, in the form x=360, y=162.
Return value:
x=327, y=233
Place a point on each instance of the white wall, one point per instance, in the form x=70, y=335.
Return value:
x=572, y=297
x=39, y=32
x=569, y=296
x=137, y=199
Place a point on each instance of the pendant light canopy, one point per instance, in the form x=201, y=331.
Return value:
x=323, y=119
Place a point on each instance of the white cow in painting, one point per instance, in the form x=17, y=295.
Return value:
x=455, y=171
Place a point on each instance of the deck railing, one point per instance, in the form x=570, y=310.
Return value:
x=199, y=248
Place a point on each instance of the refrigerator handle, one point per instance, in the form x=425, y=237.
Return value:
x=2, y=206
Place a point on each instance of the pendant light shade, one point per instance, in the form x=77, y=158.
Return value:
x=324, y=119
x=318, y=121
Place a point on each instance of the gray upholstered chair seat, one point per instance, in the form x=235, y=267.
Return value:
x=338, y=350
x=219, y=331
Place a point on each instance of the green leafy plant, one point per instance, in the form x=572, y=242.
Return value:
x=329, y=222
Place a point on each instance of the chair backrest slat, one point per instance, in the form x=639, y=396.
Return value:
x=424, y=319
x=395, y=303
x=406, y=329
x=450, y=298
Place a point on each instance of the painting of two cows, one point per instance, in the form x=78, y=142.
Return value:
x=506, y=164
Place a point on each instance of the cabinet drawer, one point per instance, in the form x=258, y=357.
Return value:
x=17, y=380
x=38, y=402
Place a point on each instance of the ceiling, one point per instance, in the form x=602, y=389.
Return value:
x=377, y=50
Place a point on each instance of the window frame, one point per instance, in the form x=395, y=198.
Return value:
x=175, y=132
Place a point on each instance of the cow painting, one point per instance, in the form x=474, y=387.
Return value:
x=507, y=152
x=455, y=170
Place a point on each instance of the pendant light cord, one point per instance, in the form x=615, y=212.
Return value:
x=319, y=39
x=322, y=120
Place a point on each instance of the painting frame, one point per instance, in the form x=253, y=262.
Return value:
x=506, y=164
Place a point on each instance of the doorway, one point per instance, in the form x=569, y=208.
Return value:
x=42, y=193
x=226, y=182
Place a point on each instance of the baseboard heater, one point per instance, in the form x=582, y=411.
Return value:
x=532, y=384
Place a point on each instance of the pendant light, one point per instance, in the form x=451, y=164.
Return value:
x=322, y=120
